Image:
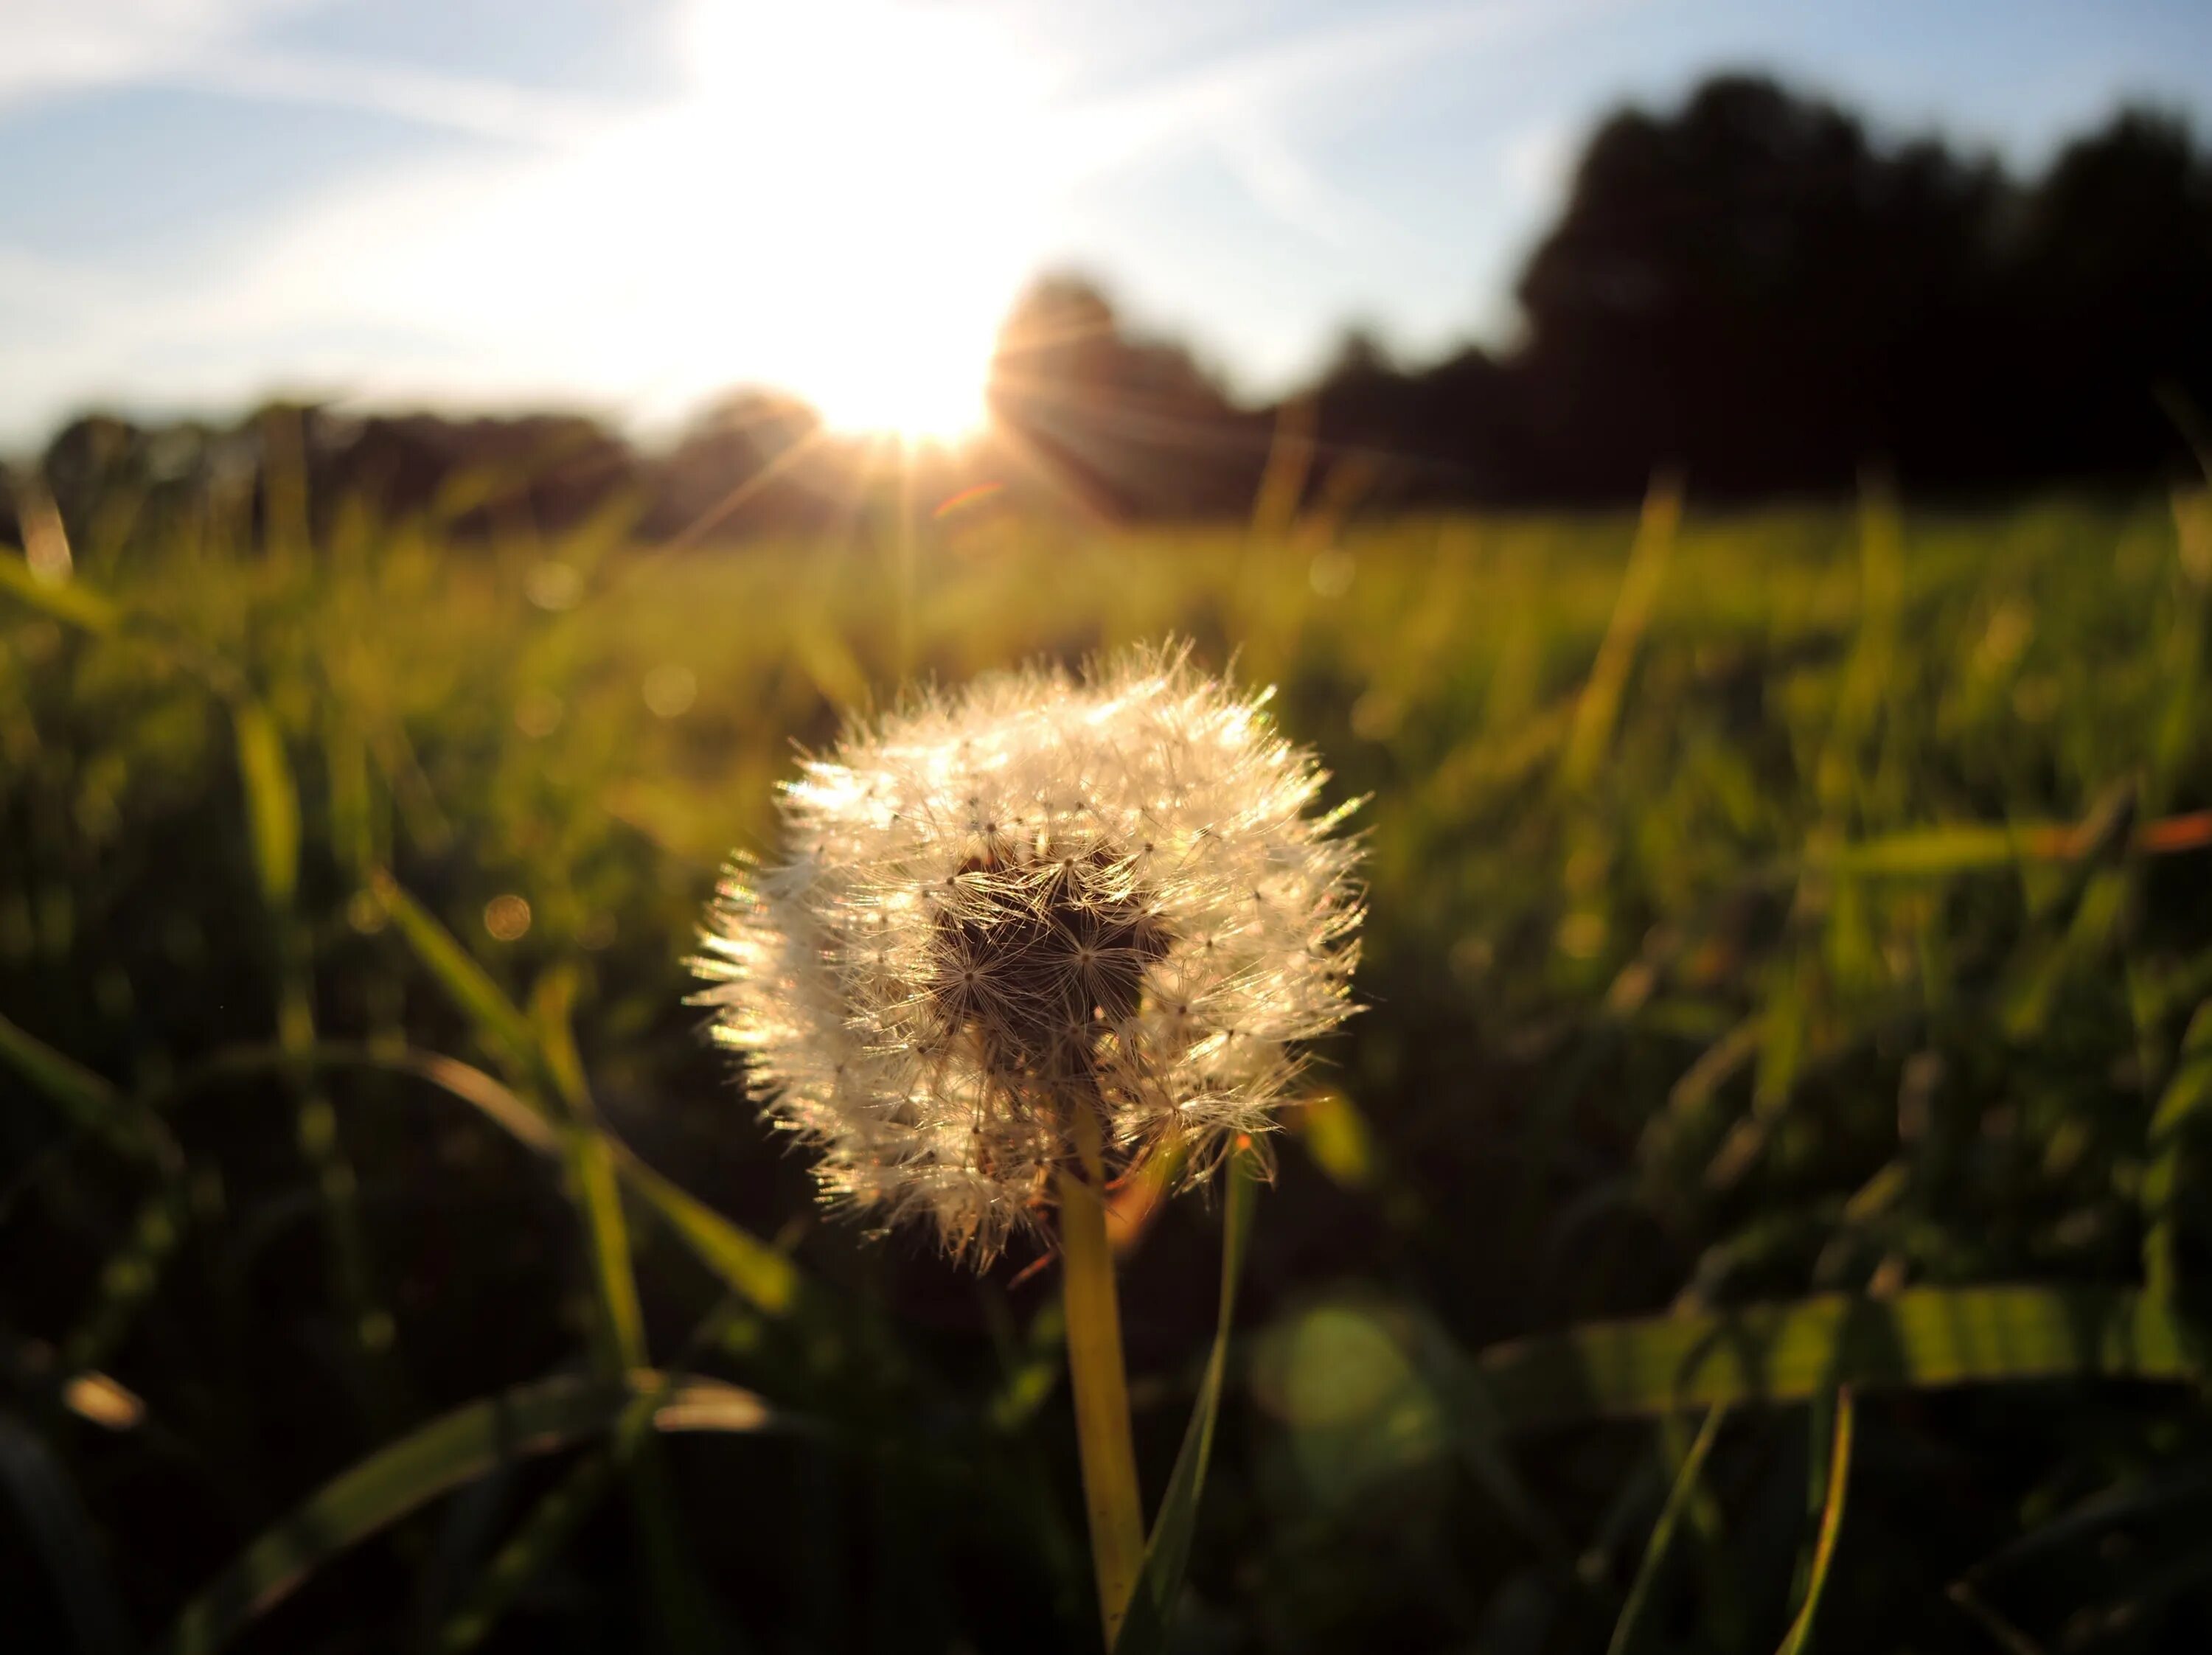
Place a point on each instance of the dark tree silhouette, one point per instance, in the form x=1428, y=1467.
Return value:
x=1442, y=433
x=1752, y=287
x=2115, y=278
x=1743, y=289
x=1130, y=426
x=750, y=461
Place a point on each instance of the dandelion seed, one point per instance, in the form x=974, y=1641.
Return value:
x=1042, y=895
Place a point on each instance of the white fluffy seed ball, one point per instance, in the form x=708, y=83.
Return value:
x=1039, y=894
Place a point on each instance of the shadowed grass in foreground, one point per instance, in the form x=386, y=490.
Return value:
x=1790, y=937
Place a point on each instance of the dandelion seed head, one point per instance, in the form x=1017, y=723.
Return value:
x=1039, y=894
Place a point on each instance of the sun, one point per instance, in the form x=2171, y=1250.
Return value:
x=840, y=199
x=916, y=371
x=872, y=160
x=914, y=395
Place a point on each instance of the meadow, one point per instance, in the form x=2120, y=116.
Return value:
x=1758, y=1204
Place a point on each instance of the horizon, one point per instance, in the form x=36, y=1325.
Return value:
x=398, y=212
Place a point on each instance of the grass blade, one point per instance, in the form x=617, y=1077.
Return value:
x=128, y=1277
x=598, y=1201
x=1915, y=1340
x=551, y=1523
x=272, y=811
x=67, y=601
x=1168, y=1553
x=451, y=1450
x=2184, y=1101
x=1832, y=1525
x=538, y=1050
x=1980, y=847
x=2150, y=1500
x=741, y=1261
x=273, y=802
x=61, y=1530
x=679, y=1599
x=1032, y=1368
x=130, y=1273
x=591, y=1170
x=84, y=1098
x=519, y=1117
x=1662, y=1532
x=34, y=1369
x=498, y=1020
x=1598, y=711
x=749, y=1266
x=1840, y=772
x=2014, y=1641
x=558, y=1513
x=744, y=1263
x=89, y=1103
x=1932, y=852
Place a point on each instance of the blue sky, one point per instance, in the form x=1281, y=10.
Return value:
x=625, y=207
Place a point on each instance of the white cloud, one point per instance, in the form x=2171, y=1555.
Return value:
x=56, y=46
x=1281, y=180
x=456, y=103
x=1286, y=74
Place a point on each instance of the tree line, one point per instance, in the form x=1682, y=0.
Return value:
x=1752, y=289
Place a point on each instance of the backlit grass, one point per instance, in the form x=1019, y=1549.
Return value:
x=1805, y=906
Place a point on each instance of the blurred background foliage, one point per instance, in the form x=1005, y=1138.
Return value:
x=1765, y=905
x=1755, y=286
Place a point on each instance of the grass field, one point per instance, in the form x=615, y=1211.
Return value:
x=1762, y=1191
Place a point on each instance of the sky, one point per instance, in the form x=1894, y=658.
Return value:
x=629, y=206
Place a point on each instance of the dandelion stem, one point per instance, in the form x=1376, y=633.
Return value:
x=1101, y=1384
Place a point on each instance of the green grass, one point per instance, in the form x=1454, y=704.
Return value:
x=1790, y=940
